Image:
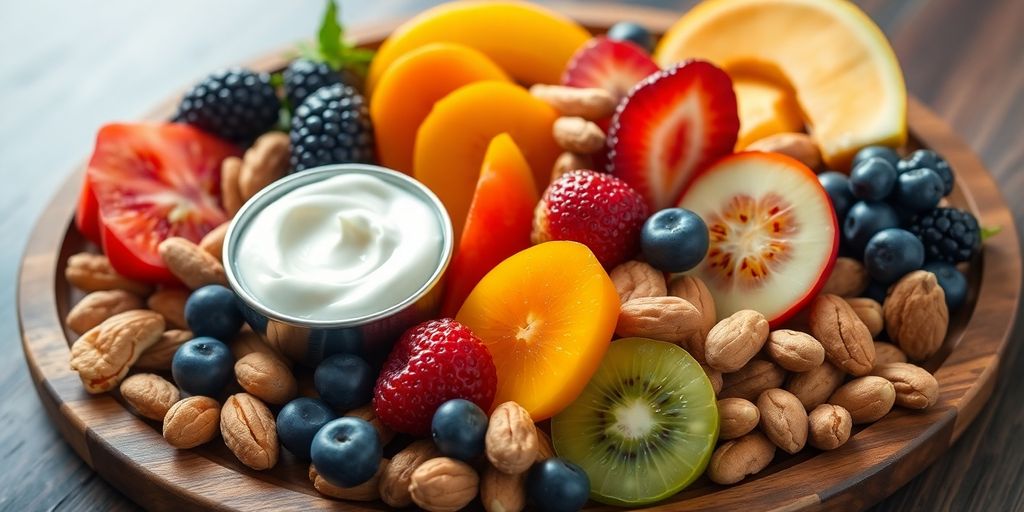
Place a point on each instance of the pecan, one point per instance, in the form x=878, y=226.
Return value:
x=748, y=383
x=847, y=341
x=170, y=302
x=849, y=278
x=795, y=351
x=736, y=459
x=577, y=135
x=213, y=242
x=736, y=417
x=915, y=387
x=266, y=377
x=693, y=290
x=443, y=485
x=366, y=491
x=191, y=422
x=830, y=426
x=98, y=306
x=867, y=398
x=798, y=146
x=92, y=273
x=263, y=163
x=589, y=103
x=230, y=190
x=735, y=340
x=636, y=279
x=886, y=353
x=103, y=355
x=916, y=316
x=661, y=318
x=870, y=312
x=813, y=387
x=149, y=395
x=783, y=419
x=368, y=413
x=511, y=440
x=249, y=431
x=502, y=492
x=192, y=265
x=394, y=480
x=569, y=161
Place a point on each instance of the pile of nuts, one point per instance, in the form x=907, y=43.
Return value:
x=809, y=384
x=576, y=131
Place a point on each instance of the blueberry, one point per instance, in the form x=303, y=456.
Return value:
x=458, y=428
x=299, y=421
x=838, y=187
x=203, y=366
x=346, y=451
x=893, y=253
x=674, y=240
x=345, y=381
x=873, y=179
x=953, y=283
x=926, y=158
x=557, y=485
x=919, y=189
x=634, y=33
x=864, y=220
x=213, y=311
x=884, y=152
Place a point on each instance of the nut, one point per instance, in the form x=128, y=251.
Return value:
x=511, y=440
x=915, y=387
x=213, y=242
x=830, y=426
x=736, y=417
x=160, y=355
x=795, y=351
x=732, y=342
x=191, y=422
x=192, y=265
x=847, y=341
x=368, y=413
x=266, y=377
x=263, y=163
x=870, y=312
x=736, y=459
x=98, y=306
x=577, y=135
x=636, y=279
x=813, y=387
x=545, y=450
x=230, y=191
x=748, y=383
x=849, y=278
x=103, y=355
x=798, y=146
x=916, y=316
x=502, y=492
x=867, y=398
x=170, y=302
x=150, y=395
x=249, y=431
x=247, y=341
x=394, y=480
x=714, y=376
x=589, y=103
x=443, y=485
x=693, y=290
x=783, y=419
x=886, y=353
x=92, y=273
x=569, y=161
x=366, y=491
x=662, y=318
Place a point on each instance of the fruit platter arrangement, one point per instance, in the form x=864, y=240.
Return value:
x=631, y=262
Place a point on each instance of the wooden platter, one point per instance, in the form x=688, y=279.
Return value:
x=130, y=453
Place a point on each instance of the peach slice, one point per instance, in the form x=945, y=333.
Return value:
x=547, y=315
x=452, y=140
x=765, y=109
x=531, y=42
x=410, y=87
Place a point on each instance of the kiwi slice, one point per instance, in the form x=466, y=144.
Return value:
x=645, y=425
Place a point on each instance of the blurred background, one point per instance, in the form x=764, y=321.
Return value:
x=67, y=67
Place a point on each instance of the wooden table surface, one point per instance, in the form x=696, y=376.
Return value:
x=69, y=67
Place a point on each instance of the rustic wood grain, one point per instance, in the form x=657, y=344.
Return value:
x=961, y=58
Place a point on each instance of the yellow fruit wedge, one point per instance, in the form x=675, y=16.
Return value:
x=765, y=109
x=846, y=77
x=530, y=42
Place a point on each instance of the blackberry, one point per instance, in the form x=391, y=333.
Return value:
x=236, y=104
x=331, y=127
x=304, y=77
x=948, y=234
x=926, y=158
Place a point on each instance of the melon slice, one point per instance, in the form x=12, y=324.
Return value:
x=846, y=77
x=773, y=234
x=765, y=109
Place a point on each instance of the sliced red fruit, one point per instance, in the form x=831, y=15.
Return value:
x=151, y=182
x=674, y=124
x=499, y=221
x=87, y=215
x=616, y=66
x=774, y=235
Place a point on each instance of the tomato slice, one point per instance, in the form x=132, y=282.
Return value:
x=87, y=215
x=151, y=182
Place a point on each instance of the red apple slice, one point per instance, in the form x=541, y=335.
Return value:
x=774, y=235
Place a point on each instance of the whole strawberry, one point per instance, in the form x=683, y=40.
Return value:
x=595, y=209
x=432, y=363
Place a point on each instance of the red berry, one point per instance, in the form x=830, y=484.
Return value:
x=432, y=363
x=615, y=66
x=595, y=209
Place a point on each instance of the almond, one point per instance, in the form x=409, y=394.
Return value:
x=830, y=426
x=886, y=353
x=170, y=302
x=545, y=450
x=149, y=395
x=916, y=316
x=443, y=485
x=104, y=354
x=368, y=413
x=591, y=103
x=394, y=481
x=366, y=491
x=714, y=376
x=636, y=279
x=192, y=265
x=813, y=387
x=735, y=340
x=502, y=492
x=264, y=162
x=847, y=341
x=915, y=387
x=568, y=161
x=577, y=135
x=736, y=417
x=798, y=146
x=694, y=291
x=230, y=191
x=191, y=422
x=795, y=351
x=870, y=312
x=266, y=377
x=867, y=398
x=160, y=355
x=849, y=278
x=511, y=440
x=661, y=318
x=748, y=383
x=213, y=242
x=736, y=459
x=98, y=306
x=93, y=272
x=249, y=431
x=783, y=419
x=246, y=342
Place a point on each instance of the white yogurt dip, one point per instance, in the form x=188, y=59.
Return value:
x=338, y=249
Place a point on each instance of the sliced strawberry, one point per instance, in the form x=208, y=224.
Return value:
x=674, y=124
x=87, y=215
x=151, y=182
x=616, y=66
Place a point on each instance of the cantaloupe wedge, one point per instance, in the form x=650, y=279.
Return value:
x=765, y=109
x=846, y=77
x=410, y=87
x=530, y=42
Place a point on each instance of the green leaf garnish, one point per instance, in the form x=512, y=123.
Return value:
x=989, y=232
x=333, y=49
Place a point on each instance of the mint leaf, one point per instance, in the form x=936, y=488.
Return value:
x=330, y=36
x=989, y=232
x=332, y=48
